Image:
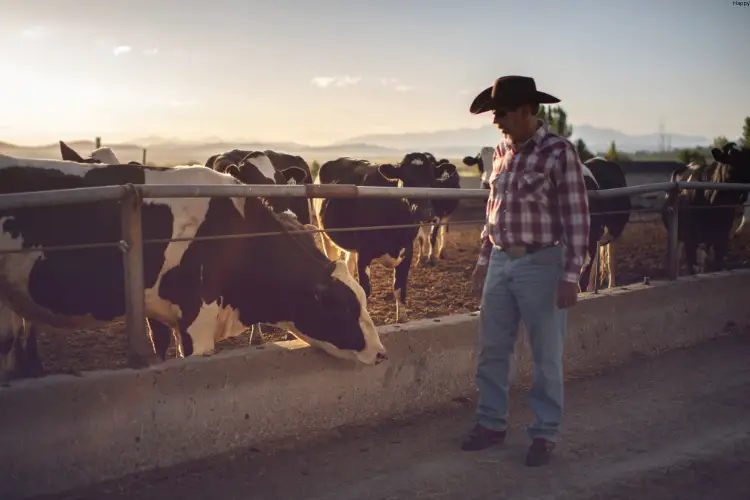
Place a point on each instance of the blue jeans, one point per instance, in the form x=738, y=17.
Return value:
x=524, y=288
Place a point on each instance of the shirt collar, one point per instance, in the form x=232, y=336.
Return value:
x=532, y=142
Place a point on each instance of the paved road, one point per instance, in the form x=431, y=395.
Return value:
x=673, y=427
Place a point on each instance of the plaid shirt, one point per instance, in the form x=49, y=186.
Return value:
x=537, y=196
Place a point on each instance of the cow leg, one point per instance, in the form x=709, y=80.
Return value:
x=19, y=357
x=256, y=339
x=720, y=252
x=438, y=241
x=351, y=262
x=400, y=278
x=690, y=256
x=363, y=268
x=424, y=247
x=586, y=271
x=594, y=267
x=604, y=271
x=612, y=263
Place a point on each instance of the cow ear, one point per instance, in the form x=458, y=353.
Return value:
x=719, y=155
x=68, y=154
x=210, y=162
x=390, y=172
x=233, y=170
x=444, y=171
x=294, y=175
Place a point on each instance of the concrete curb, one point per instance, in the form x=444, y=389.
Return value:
x=63, y=431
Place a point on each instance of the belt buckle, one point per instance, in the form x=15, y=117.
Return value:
x=516, y=251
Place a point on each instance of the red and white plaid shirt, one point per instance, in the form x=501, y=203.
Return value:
x=537, y=196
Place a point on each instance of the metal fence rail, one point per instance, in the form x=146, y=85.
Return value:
x=131, y=200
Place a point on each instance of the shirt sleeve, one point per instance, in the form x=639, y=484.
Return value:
x=573, y=205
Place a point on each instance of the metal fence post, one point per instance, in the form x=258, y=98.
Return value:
x=140, y=352
x=673, y=244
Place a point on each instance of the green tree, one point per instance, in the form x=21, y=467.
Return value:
x=746, y=133
x=314, y=167
x=583, y=152
x=612, y=153
x=720, y=142
x=557, y=118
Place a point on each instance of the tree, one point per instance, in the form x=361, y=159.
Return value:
x=314, y=167
x=557, y=118
x=583, y=152
x=746, y=133
x=720, y=142
x=690, y=155
x=612, y=153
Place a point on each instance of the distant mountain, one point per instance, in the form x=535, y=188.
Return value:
x=468, y=140
x=166, y=151
x=454, y=143
x=599, y=139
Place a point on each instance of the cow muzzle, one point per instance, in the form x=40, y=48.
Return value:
x=422, y=212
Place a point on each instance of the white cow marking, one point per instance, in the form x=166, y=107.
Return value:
x=263, y=163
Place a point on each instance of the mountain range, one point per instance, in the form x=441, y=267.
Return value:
x=453, y=143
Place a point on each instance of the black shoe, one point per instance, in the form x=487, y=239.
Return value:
x=540, y=452
x=480, y=438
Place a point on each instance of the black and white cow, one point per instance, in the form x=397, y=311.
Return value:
x=605, y=226
x=277, y=168
x=706, y=216
x=393, y=247
x=483, y=162
x=199, y=291
x=431, y=239
x=257, y=167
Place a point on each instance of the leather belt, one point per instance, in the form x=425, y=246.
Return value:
x=518, y=251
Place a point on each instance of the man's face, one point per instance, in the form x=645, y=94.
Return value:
x=511, y=120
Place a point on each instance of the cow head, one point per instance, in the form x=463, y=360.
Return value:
x=446, y=174
x=415, y=170
x=483, y=162
x=737, y=158
x=316, y=299
x=256, y=168
x=336, y=318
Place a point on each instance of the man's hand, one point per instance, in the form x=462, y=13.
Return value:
x=477, y=279
x=567, y=294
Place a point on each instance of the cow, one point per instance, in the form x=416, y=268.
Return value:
x=103, y=155
x=745, y=216
x=483, y=162
x=706, y=216
x=199, y=291
x=608, y=218
x=431, y=239
x=393, y=247
x=277, y=168
x=256, y=167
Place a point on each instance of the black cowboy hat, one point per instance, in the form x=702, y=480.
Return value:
x=510, y=91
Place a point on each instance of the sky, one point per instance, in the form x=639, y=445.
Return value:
x=321, y=72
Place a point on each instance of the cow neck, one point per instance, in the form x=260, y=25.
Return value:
x=316, y=261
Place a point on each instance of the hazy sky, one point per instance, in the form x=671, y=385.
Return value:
x=317, y=72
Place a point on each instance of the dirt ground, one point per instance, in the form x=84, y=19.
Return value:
x=433, y=291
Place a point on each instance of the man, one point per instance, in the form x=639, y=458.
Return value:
x=533, y=246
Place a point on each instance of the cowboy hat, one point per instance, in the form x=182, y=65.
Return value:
x=510, y=91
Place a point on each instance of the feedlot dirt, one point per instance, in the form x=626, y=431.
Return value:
x=433, y=291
